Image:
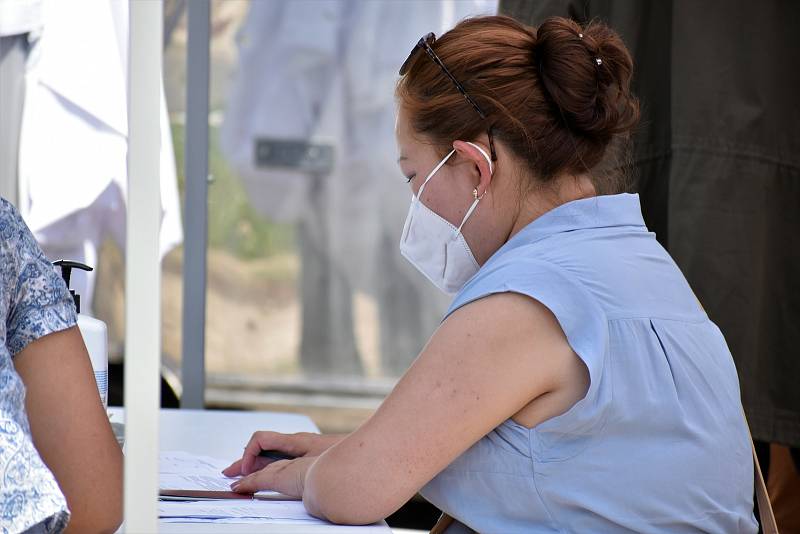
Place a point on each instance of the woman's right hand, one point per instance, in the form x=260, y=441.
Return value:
x=297, y=445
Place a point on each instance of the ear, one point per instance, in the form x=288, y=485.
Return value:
x=479, y=155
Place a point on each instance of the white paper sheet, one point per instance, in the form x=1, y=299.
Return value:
x=183, y=462
x=238, y=511
x=207, y=520
x=180, y=470
x=170, y=481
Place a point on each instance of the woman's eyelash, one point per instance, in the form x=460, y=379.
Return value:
x=409, y=178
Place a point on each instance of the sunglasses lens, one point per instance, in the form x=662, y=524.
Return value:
x=407, y=62
x=428, y=40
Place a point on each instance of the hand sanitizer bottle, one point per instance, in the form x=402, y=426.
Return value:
x=94, y=332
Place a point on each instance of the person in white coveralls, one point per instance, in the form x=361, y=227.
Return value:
x=321, y=75
x=74, y=137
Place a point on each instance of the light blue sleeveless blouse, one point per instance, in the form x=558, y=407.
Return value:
x=658, y=444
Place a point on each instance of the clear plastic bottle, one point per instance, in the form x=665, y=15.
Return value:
x=94, y=332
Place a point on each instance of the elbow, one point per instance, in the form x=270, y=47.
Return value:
x=107, y=522
x=100, y=509
x=111, y=519
x=113, y=525
x=355, y=520
x=341, y=499
x=95, y=519
x=342, y=515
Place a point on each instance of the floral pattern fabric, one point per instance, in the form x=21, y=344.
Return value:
x=34, y=302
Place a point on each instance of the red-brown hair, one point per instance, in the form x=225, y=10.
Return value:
x=557, y=96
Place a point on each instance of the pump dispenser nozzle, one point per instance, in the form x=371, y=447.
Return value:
x=66, y=274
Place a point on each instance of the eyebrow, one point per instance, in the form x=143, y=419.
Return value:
x=401, y=158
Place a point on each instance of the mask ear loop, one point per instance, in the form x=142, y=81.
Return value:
x=469, y=212
x=477, y=198
x=435, y=169
x=485, y=155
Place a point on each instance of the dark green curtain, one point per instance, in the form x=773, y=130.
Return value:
x=717, y=161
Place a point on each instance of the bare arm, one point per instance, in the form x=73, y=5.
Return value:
x=71, y=430
x=487, y=361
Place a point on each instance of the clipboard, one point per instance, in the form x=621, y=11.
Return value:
x=211, y=495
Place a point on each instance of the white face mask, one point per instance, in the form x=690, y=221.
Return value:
x=435, y=246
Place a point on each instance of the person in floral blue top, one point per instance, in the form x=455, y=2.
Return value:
x=60, y=466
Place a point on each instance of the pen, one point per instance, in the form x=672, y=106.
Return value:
x=276, y=455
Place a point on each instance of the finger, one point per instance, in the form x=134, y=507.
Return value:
x=258, y=441
x=261, y=480
x=236, y=468
x=266, y=440
x=245, y=484
x=256, y=464
x=259, y=463
x=233, y=470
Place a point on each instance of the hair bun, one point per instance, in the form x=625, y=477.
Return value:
x=586, y=73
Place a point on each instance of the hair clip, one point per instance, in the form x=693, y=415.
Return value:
x=598, y=61
x=580, y=36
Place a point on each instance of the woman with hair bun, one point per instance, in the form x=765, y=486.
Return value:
x=575, y=384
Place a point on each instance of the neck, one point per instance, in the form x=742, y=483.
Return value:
x=535, y=203
x=544, y=198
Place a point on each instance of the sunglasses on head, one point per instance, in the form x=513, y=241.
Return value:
x=426, y=44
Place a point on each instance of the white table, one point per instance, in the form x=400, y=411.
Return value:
x=223, y=434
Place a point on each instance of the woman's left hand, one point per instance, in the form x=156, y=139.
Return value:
x=284, y=476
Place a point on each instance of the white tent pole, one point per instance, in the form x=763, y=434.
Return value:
x=142, y=285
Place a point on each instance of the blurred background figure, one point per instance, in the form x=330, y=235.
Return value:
x=718, y=165
x=20, y=23
x=309, y=127
x=71, y=178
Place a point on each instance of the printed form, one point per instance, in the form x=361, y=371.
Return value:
x=237, y=512
x=184, y=473
x=180, y=470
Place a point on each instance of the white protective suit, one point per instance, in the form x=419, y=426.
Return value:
x=73, y=145
x=325, y=72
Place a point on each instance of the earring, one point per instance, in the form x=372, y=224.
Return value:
x=475, y=193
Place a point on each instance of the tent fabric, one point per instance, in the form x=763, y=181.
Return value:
x=717, y=162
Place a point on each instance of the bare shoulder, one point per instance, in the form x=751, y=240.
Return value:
x=534, y=332
x=515, y=326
